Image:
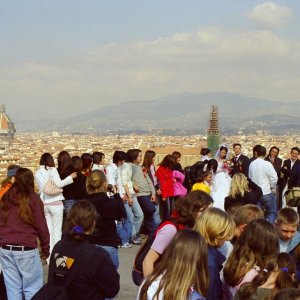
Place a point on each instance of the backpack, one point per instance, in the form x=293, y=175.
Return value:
x=57, y=286
x=137, y=270
x=193, y=173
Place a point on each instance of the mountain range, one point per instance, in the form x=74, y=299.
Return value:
x=185, y=112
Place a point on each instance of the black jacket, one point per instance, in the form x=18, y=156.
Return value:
x=241, y=165
x=109, y=210
x=251, y=197
x=290, y=174
x=96, y=277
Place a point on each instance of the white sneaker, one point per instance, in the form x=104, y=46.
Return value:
x=126, y=245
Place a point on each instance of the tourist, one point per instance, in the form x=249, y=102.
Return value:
x=9, y=180
x=98, y=159
x=181, y=273
x=204, y=182
x=177, y=158
x=87, y=162
x=22, y=222
x=205, y=154
x=239, y=162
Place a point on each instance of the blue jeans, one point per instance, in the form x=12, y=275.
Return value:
x=135, y=215
x=269, y=203
x=148, y=208
x=113, y=253
x=68, y=203
x=124, y=228
x=23, y=273
x=157, y=219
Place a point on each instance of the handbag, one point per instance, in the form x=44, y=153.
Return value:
x=292, y=197
x=50, y=188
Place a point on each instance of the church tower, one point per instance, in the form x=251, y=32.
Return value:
x=213, y=134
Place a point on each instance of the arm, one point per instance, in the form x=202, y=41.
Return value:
x=149, y=261
x=56, y=178
x=151, y=186
x=272, y=175
x=120, y=212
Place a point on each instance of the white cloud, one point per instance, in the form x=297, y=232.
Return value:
x=270, y=14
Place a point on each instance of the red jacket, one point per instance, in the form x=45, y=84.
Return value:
x=166, y=182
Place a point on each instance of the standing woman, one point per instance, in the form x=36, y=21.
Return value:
x=22, y=222
x=149, y=168
x=53, y=203
x=98, y=160
x=181, y=274
x=165, y=177
x=87, y=162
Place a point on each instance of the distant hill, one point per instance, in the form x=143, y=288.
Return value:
x=184, y=111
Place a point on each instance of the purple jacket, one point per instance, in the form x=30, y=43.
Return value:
x=179, y=189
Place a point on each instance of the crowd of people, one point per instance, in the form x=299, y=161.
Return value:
x=223, y=228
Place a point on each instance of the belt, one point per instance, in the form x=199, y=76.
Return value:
x=17, y=248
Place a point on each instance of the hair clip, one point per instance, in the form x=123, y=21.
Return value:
x=265, y=270
x=77, y=229
x=284, y=269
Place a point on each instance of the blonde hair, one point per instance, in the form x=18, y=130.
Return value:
x=214, y=224
x=239, y=185
x=288, y=216
x=247, y=213
x=96, y=182
x=182, y=266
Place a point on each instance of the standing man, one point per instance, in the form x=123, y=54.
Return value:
x=240, y=162
x=264, y=175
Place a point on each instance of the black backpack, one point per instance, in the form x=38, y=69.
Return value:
x=193, y=173
x=58, y=282
x=137, y=270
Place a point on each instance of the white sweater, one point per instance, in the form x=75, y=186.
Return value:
x=42, y=176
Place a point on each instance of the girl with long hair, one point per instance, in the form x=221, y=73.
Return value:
x=257, y=244
x=216, y=227
x=95, y=277
x=181, y=271
x=109, y=209
x=22, y=222
x=242, y=191
x=53, y=203
x=279, y=273
x=187, y=211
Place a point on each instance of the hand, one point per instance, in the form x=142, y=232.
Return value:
x=44, y=256
x=125, y=199
x=136, y=188
x=153, y=198
x=158, y=192
x=130, y=201
x=164, y=199
x=74, y=175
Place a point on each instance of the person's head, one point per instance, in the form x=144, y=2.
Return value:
x=274, y=151
x=76, y=163
x=239, y=185
x=47, y=160
x=81, y=219
x=237, y=149
x=256, y=245
x=168, y=162
x=183, y=265
x=223, y=152
x=288, y=294
x=244, y=215
x=119, y=157
x=215, y=226
x=279, y=272
x=11, y=173
x=260, y=151
x=19, y=195
x=98, y=157
x=87, y=161
x=295, y=151
x=212, y=165
x=96, y=182
x=206, y=176
x=149, y=158
x=205, y=151
x=134, y=156
x=177, y=156
x=254, y=150
x=286, y=223
x=190, y=207
x=64, y=162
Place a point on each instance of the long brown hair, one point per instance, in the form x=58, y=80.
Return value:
x=19, y=195
x=256, y=245
x=285, y=268
x=148, y=159
x=182, y=266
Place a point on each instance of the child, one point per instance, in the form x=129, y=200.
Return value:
x=216, y=227
x=286, y=223
x=204, y=182
x=181, y=272
x=256, y=245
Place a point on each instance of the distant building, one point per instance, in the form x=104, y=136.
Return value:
x=213, y=133
x=7, y=130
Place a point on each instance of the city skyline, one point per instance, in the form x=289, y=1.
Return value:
x=60, y=59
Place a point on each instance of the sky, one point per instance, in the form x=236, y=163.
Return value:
x=64, y=58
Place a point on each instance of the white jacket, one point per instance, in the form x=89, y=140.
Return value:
x=42, y=175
